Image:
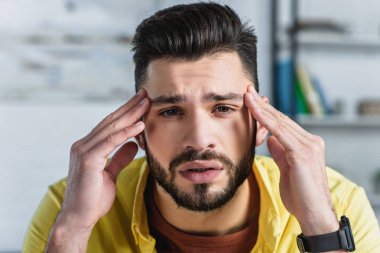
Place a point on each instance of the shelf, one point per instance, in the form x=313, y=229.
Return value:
x=59, y=38
x=339, y=121
x=338, y=41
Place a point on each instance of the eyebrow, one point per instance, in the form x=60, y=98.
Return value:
x=162, y=100
x=210, y=97
x=213, y=97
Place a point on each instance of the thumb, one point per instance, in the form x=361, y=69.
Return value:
x=278, y=152
x=121, y=158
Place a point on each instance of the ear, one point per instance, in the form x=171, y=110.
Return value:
x=140, y=140
x=261, y=132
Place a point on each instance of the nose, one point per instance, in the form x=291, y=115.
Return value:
x=198, y=132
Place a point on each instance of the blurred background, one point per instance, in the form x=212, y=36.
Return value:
x=66, y=64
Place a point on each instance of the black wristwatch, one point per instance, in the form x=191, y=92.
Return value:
x=339, y=240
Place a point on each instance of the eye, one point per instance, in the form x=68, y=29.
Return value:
x=224, y=109
x=170, y=112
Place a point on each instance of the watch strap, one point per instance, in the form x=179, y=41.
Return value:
x=321, y=243
x=341, y=239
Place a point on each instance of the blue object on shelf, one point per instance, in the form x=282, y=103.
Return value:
x=284, y=87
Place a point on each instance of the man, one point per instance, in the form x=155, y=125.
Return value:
x=198, y=116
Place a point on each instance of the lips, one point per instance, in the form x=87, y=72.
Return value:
x=209, y=164
x=199, y=172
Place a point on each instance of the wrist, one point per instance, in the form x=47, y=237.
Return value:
x=341, y=240
x=69, y=222
x=67, y=237
x=318, y=225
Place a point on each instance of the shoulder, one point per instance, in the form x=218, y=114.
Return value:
x=44, y=217
x=351, y=200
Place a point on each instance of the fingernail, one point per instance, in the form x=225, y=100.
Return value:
x=142, y=101
x=139, y=124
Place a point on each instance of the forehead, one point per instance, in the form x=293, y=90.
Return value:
x=219, y=73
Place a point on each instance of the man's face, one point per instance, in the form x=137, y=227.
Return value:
x=199, y=135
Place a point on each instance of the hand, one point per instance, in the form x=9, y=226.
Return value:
x=91, y=185
x=300, y=157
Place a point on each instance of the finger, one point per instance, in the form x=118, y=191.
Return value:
x=278, y=152
x=278, y=128
x=116, y=114
x=289, y=137
x=121, y=159
x=279, y=115
x=127, y=119
x=101, y=151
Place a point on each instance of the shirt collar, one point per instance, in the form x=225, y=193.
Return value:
x=269, y=218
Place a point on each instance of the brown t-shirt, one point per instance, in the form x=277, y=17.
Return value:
x=170, y=239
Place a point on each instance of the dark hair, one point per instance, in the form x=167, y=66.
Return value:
x=190, y=32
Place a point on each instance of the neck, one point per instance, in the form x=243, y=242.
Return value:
x=238, y=213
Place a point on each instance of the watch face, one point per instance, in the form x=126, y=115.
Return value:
x=300, y=245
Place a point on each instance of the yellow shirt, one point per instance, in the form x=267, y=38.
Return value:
x=124, y=228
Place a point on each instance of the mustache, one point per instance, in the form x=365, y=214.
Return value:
x=192, y=155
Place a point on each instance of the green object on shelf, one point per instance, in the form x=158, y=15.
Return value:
x=300, y=99
x=307, y=88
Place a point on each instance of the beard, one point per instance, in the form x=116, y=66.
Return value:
x=201, y=199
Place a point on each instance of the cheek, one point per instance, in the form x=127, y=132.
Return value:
x=157, y=137
x=150, y=127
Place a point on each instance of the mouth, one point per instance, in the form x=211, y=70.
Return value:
x=199, y=172
x=201, y=166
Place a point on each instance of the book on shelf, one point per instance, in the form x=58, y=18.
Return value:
x=284, y=85
x=297, y=89
x=301, y=103
x=322, y=95
x=309, y=92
